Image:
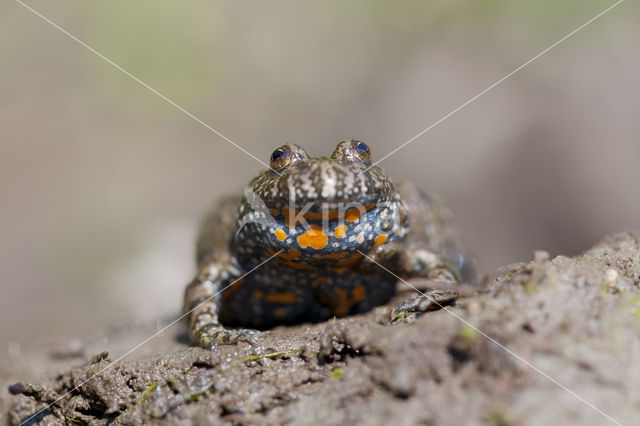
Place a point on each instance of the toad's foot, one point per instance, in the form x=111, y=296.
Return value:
x=427, y=301
x=201, y=304
x=211, y=335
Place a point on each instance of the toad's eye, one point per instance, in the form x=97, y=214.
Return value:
x=280, y=159
x=286, y=155
x=362, y=148
x=278, y=153
x=352, y=150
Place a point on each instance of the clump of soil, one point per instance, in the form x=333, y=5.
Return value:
x=549, y=340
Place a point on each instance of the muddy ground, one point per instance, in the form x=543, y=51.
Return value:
x=549, y=341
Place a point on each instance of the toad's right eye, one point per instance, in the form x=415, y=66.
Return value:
x=280, y=159
x=277, y=154
x=286, y=155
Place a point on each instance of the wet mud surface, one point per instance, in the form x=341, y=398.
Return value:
x=547, y=341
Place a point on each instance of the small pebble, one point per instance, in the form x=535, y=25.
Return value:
x=540, y=256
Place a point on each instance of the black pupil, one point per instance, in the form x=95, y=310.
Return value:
x=277, y=154
x=362, y=147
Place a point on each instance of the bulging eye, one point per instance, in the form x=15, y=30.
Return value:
x=362, y=148
x=279, y=159
x=352, y=150
x=277, y=154
x=286, y=155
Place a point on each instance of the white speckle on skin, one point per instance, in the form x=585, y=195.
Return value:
x=329, y=181
x=213, y=270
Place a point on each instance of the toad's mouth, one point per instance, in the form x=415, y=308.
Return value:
x=327, y=212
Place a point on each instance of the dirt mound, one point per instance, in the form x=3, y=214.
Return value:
x=546, y=341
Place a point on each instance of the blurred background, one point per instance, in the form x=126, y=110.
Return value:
x=103, y=183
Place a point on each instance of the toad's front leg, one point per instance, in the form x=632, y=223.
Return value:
x=202, y=304
x=437, y=292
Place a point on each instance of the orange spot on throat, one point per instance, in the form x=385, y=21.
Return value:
x=280, y=234
x=340, y=231
x=314, y=237
x=380, y=239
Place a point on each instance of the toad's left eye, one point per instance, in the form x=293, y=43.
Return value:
x=362, y=148
x=352, y=150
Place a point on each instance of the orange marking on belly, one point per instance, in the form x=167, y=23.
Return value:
x=280, y=313
x=359, y=293
x=274, y=212
x=341, y=305
x=257, y=294
x=292, y=254
x=290, y=258
x=349, y=261
x=380, y=239
x=295, y=265
x=284, y=298
x=338, y=255
x=344, y=264
x=320, y=280
x=340, y=231
x=314, y=237
x=280, y=234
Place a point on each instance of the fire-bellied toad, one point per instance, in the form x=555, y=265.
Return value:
x=328, y=221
